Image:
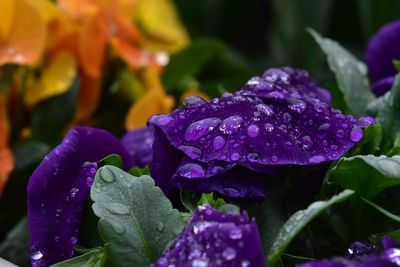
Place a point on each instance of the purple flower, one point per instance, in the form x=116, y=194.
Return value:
x=383, y=48
x=364, y=255
x=231, y=143
x=139, y=144
x=212, y=237
x=58, y=189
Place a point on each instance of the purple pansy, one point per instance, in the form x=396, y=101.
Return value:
x=215, y=239
x=383, y=48
x=364, y=255
x=230, y=143
x=139, y=144
x=58, y=189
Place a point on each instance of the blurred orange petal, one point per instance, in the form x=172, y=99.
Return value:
x=6, y=156
x=7, y=12
x=56, y=79
x=47, y=9
x=155, y=101
x=92, y=45
x=26, y=41
x=135, y=57
x=89, y=97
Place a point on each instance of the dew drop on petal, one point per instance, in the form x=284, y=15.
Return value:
x=107, y=175
x=235, y=156
x=193, y=101
x=286, y=117
x=229, y=253
x=316, y=159
x=356, y=134
x=253, y=130
x=73, y=192
x=235, y=234
x=191, y=170
x=191, y=151
x=340, y=133
x=200, y=128
x=161, y=120
x=218, y=143
x=231, y=124
x=269, y=127
x=297, y=105
x=265, y=109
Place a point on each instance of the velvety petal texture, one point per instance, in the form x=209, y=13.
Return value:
x=58, y=190
x=139, y=144
x=230, y=143
x=382, y=49
x=213, y=238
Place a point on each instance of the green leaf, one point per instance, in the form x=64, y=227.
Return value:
x=137, y=222
x=396, y=63
x=15, y=246
x=113, y=159
x=367, y=175
x=395, y=150
x=51, y=117
x=375, y=238
x=390, y=114
x=351, y=74
x=378, y=104
x=136, y=171
x=209, y=198
x=388, y=214
x=297, y=222
x=93, y=258
x=190, y=61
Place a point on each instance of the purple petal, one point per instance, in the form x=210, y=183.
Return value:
x=372, y=261
x=382, y=49
x=58, y=189
x=280, y=119
x=139, y=144
x=212, y=237
x=382, y=86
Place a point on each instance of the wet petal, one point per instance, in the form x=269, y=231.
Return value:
x=383, y=48
x=212, y=237
x=25, y=43
x=58, y=189
x=139, y=144
x=272, y=122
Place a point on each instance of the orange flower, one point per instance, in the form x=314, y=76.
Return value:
x=6, y=156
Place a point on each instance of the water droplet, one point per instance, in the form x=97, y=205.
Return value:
x=253, y=130
x=200, y=263
x=252, y=157
x=217, y=169
x=356, y=134
x=321, y=107
x=200, y=128
x=229, y=253
x=235, y=234
x=218, y=143
x=245, y=263
x=231, y=192
x=73, y=192
x=274, y=158
x=340, y=133
x=73, y=240
x=193, y=101
x=191, y=170
x=324, y=127
x=286, y=117
x=265, y=109
x=231, y=124
x=36, y=255
x=89, y=181
x=307, y=142
x=116, y=226
x=333, y=147
x=316, y=159
x=297, y=105
x=235, y=156
x=191, y=151
x=269, y=127
x=201, y=226
x=161, y=120
x=106, y=174
x=160, y=226
x=275, y=95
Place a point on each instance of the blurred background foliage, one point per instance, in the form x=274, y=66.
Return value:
x=230, y=42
